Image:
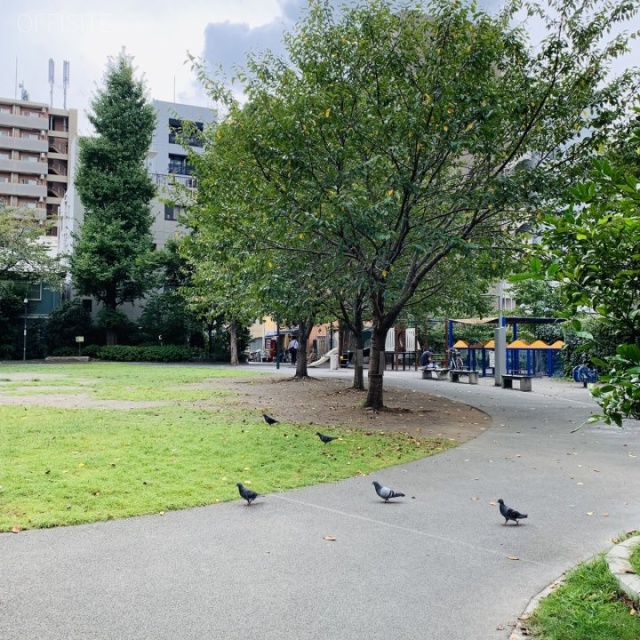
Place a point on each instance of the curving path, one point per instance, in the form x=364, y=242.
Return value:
x=435, y=565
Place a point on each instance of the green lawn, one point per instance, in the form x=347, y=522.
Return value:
x=74, y=465
x=587, y=607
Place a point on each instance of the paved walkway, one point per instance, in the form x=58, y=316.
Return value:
x=437, y=565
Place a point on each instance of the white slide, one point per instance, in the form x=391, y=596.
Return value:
x=325, y=358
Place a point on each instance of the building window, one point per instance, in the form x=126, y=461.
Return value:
x=28, y=157
x=35, y=292
x=178, y=164
x=28, y=181
x=28, y=135
x=172, y=213
x=5, y=133
x=176, y=130
x=4, y=177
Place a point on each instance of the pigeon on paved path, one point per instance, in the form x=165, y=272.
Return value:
x=385, y=493
x=324, y=438
x=248, y=494
x=510, y=514
x=269, y=419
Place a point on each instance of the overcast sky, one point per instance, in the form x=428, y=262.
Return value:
x=158, y=34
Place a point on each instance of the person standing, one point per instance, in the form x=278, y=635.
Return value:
x=293, y=350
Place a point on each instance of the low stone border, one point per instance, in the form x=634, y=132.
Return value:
x=619, y=566
x=59, y=359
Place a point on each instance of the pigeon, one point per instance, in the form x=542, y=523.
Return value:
x=269, y=419
x=385, y=493
x=324, y=438
x=510, y=514
x=248, y=494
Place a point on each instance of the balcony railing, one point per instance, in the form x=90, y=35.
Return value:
x=171, y=179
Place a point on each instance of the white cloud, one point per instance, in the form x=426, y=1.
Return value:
x=158, y=35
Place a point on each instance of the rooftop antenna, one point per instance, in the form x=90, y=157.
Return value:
x=51, y=77
x=65, y=82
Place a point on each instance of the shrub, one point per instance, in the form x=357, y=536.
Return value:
x=170, y=353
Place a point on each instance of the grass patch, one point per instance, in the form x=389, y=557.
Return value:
x=587, y=606
x=634, y=559
x=70, y=466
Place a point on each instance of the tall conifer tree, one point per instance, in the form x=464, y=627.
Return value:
x=113, y=258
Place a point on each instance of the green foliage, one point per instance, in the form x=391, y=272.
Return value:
x=11, y=309
x=537, y=298
x=113, y=258
x=170, y=353
x=385, y=156
x=21, y=255
x=595, y=341
x=167, y=314
x=591, y=246
x=112, y=320
x=635, y=559
x=588, y=606
x=619, y=395
x=66, y=322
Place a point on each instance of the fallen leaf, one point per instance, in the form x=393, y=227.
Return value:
x=330, y=538
x=589, y=513
x=16, y=529
x=493, y=504
x=500, y=627
x=597, y=470
x=513, y=558
x=605, y=515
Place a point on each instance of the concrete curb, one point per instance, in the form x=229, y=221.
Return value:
x=621, y=569
x=520, y=631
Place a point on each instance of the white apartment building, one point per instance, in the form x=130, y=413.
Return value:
x=167, y=164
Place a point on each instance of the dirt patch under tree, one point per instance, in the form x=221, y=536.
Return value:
x=330, y=402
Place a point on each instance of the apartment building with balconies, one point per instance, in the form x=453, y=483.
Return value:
x=168, y=162
x=35, y=170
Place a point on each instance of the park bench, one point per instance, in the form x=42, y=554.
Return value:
x=435, y=373
x=524, y=381
x=455, y=375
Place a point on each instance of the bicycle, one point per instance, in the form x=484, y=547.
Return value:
x=455, y=360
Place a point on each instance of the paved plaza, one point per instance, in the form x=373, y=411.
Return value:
x=437, y=564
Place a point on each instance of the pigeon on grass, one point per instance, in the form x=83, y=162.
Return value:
x=385, y=493
x=248, y=494
x=510, y=514
x=324, y=438
x=269, y=419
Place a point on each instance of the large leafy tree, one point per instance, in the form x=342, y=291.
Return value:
x=592, y=247
x=113, y=258
x=22, y=255
x=397, y=145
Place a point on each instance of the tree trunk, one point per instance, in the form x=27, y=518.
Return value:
x=375, y=396
x=304, y=331
x=111, y=304
x=233, y=340
x=358, y=370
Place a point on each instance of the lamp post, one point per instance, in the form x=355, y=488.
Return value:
x=24, y=334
